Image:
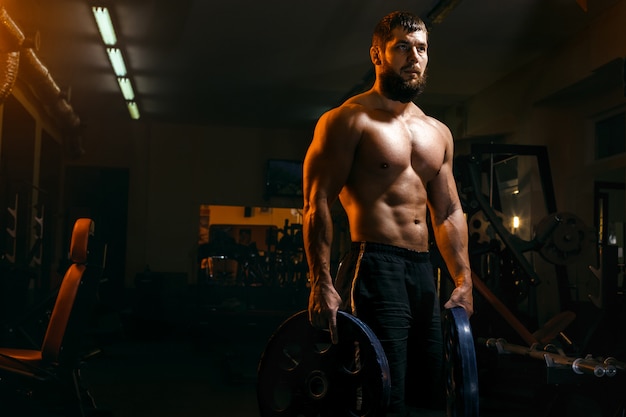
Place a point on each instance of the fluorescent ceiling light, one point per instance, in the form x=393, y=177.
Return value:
x=133, y=110
x=105, y=26
x=127, y=88
x=117, y=61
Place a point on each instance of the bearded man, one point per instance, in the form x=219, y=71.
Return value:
x=390, y=165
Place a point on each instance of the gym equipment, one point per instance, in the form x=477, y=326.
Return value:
x=567, y=238
x=52, y=372
x=505, y=276
x=545, y=334
x=557, y=361
x=461, y=369
x=301, y=373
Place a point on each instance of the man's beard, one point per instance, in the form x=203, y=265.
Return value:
x=394, y=87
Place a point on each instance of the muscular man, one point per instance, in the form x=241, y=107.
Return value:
x=389, y=164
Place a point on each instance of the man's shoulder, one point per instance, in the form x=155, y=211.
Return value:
x=355, y=106
x=348, y=113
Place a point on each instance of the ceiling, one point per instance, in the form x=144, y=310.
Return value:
x=277, y=63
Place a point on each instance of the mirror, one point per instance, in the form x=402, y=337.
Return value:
x=251, y=246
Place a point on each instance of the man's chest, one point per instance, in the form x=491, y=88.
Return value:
x=394, y=148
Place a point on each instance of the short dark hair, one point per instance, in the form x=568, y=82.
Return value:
x=406, y=20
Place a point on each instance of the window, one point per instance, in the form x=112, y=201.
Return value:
x=610, y=135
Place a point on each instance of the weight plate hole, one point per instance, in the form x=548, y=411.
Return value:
x=317, y=385
x=281, y=397
x=291, y=357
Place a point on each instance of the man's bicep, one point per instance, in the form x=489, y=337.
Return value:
x=316, y=175
x=443, y=197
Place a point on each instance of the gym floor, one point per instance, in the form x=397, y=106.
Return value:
x=200, y=359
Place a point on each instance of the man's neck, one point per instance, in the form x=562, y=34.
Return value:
x=385, y=103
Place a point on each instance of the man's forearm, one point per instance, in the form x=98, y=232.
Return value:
x=452, y=241
x=318, y=232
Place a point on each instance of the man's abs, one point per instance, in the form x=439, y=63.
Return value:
x=401, y=226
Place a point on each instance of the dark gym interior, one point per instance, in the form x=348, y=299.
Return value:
x=151, y=215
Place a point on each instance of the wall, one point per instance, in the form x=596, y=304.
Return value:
x=531, y=106
x=174, y=169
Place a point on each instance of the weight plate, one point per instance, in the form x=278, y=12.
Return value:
x=566, y=238
x=481, y=230
x=301, y=373
x=461, y=369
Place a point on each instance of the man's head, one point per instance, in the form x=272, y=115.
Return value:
x=407, y=21
x=399, y=52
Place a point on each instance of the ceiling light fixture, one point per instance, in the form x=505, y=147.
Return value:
x=107, y=32
x=117, y=61
x=133, y=109
x=127, y=88
x=105, y=26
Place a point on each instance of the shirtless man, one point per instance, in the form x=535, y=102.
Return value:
x=387, y=162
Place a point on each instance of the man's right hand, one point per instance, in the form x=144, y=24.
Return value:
x=324, y=302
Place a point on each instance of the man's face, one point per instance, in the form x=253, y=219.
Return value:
x=403, y=65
